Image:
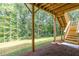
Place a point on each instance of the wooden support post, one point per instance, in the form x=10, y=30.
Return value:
x=61, y=33
x=54, y=22
x=62, y=28
x=33, y=35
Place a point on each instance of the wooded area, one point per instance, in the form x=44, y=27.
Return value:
x=16, y=24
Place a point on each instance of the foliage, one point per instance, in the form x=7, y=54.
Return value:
x=16, y=23
x=74, y=15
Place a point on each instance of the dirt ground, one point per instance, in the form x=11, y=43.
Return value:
x=55, y=50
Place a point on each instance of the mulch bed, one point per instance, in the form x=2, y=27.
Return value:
x=54, y=50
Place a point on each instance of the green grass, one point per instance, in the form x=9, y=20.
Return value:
x=38, y=43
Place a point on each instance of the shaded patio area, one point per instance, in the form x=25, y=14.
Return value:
x=56, y=49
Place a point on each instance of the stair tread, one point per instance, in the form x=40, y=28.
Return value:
x=72, y=36
x=77, y=43
x=73, y=39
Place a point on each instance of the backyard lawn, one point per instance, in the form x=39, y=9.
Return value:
x=19, y=47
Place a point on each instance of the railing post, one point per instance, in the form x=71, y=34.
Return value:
x=78, y=27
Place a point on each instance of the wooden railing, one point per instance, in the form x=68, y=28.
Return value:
x=71, y=23
x=75, y=23
x=67, y=29
x=78, y=27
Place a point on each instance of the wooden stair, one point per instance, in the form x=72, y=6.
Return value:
x=72, y=36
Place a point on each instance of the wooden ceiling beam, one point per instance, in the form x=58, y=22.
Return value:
x=59, y=21
x=52, y=6
x=49, y=7
x=54, y=9
x=60, y=9
x=41, y=7
x=64, y=21
x=36, y=4
x=66, y=7
x=43, y=4
x=57, y=6
x=61, y=14
x=46, y=6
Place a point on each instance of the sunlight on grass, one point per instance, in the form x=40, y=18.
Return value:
x=21, y=46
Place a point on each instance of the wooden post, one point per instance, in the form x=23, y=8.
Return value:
x=54, y=22
x=61, y=32
x=62, y=28
x=33, y=35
